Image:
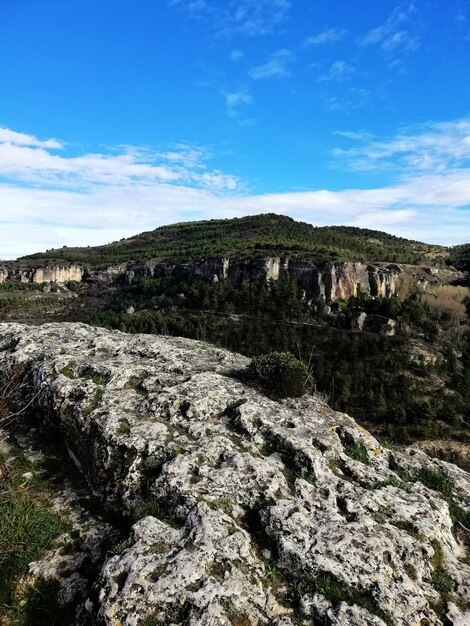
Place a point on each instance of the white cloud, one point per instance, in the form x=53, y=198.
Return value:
x=234, y=100
x=21, y=139
x=238, y=17
x=48, y=200
x=330, y=35
x=275, y=67
x=38, y=165
x=432, y=147
x=236, y=55
x=398, y=33
x=339, y=71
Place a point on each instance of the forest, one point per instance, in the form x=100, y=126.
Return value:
x=258, y=234
x=380, y=380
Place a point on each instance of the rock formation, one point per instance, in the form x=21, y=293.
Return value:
x=252, y=511
x=327, y=281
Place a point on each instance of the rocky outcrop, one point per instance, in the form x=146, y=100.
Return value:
x=43, y=274
x=251, y=511
x=326, y=281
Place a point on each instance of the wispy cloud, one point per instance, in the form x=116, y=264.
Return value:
x=432, y=147
x=236, y=55
x=277, y=66
x=397, y=35
x=235, y=100
x=49, y=200
x=330, y=35
x=238, y=17
x=37, y=163
x=348, y=100
x=338, y=71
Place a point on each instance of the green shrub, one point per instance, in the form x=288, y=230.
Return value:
x=281, y=375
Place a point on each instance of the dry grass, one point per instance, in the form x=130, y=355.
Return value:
x=447, y=299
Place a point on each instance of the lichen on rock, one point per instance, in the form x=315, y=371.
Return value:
x=247, y=510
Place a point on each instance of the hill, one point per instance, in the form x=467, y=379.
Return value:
x=257, y=234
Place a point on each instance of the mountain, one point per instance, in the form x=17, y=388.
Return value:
x=265, y=234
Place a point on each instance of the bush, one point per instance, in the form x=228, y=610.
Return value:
x=281, y=375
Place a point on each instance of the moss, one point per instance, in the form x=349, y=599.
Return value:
x=408, y=527
x=124, y=428
x=160, y=547
x=440, y=579
x=158, y=571
x=236, y=616
x=217, y=570
x=68, y=371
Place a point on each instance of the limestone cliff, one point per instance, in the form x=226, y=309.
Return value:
x=328, y=281
x=258, y=512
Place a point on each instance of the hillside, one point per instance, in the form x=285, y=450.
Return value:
x=257, y=234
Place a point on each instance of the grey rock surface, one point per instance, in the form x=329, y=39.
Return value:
x=250, y=511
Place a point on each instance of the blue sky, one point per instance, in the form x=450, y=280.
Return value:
x=117, y=117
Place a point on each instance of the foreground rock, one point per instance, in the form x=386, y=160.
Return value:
x=250, y=511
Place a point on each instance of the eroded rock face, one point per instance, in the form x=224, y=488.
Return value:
x=252, y=511
x=328, y=281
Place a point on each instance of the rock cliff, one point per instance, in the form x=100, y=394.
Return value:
x=252, y=511
x=328, y=281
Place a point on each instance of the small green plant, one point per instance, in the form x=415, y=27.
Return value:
x=120, y=546
x=358, y=452
x=67, y=371
x=459, y=515
x=440, y=579
x=407, y=526
x=272, y=572
x=151, y=620
x=224, y=504
x=281, y=375
x=94, y=402
x=436, y=480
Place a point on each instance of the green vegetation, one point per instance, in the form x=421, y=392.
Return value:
x=459, y=257
x=358, y=452
x=236, y=616
x=28, y=528
x=42, y=606
x=268, y=233
x=436, y=480
x=280, y=374
x=440, y=579
x=335, y=591
x=377, y=379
